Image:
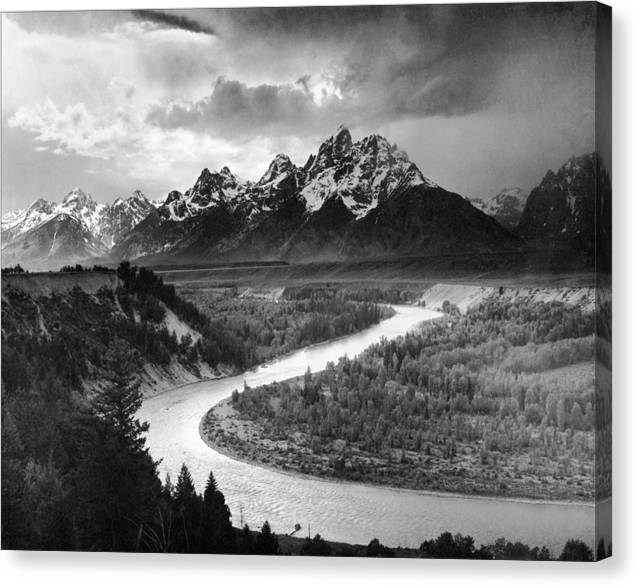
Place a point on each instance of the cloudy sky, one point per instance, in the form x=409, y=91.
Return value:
x=481, y=97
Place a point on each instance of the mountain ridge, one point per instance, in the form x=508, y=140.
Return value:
x=77, y=228
x=352, y=200
x=308, y=213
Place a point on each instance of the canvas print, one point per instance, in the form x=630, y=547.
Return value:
x=316, y=281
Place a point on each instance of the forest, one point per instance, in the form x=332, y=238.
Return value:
x=79, y=477
x=268, y=329
x=77, y=474
x=499, y=401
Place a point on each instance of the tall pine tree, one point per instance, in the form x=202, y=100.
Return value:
x=117, y=488
x=217, y=530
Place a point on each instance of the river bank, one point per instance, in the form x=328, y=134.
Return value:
x=223, y=430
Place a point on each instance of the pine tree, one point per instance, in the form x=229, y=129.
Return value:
x=116, y=483
x=267, y=542
x=117, y=404
x=246, y=541
x=217, y=533
x=576, y=550
x=188, y=510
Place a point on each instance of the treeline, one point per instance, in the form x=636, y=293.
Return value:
x=479, y=392
x=77, y=268
x=265, y=329
x=241, y=333
x=355, y=293
x=13, y=269
x=450, y=546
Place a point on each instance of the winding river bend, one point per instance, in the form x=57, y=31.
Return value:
x=338, y=511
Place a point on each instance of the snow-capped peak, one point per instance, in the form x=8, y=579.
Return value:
x=331, y=151
x=23, y=220
x=280, y=165
x=225, y=171
x=78, y=198
x=506, y=206
x=136, y=200
x=210, y=189
x=81, y=205
x=105, y=223
x=42, y=205
x=361, y=173
x=138, y=195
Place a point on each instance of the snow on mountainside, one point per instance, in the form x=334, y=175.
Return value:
x=351, y=200
x=75, y=229
x=122, y=216
x=360, y=174
x=506, y=206
x=82, y=206
x=211, y=189
x=20, y=221
x=334, y=207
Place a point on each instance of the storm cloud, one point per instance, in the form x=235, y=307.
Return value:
x=173, y=20
x=394, y=63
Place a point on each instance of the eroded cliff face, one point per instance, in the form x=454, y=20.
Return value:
x=468, y=296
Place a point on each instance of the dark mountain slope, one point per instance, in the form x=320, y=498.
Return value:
x=561, y=210
x=423, y=220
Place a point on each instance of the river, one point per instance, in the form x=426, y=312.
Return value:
x=338, y=511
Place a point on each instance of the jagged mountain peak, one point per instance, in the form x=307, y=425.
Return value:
x=361, y=173
x=342, y=138
x=42, y=205
x=331, y=151
x=79, y=198
x=575, y=165
x=225, y=171
x=204, y=176
x=137, y=197
x=514, y=191
x=506, y=206
x=172, y=196
x=562, y=208
x=211, y=180
x=281, y=165
x=210, y=189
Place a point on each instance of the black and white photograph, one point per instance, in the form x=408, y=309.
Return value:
x=328, y=281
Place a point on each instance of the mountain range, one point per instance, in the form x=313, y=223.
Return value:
x=506, y=206
x=46, y=233
x=350, y=201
